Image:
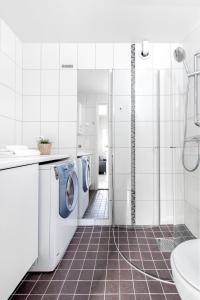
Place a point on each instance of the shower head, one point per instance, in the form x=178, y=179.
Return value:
x=180, y=56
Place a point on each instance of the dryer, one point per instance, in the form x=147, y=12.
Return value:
x=58, y=212
x=84, y=183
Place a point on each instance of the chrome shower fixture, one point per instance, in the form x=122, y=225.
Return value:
x=180, y=56
x=144, y=52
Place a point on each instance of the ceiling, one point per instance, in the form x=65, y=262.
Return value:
x=93, y=82
x=101, y=20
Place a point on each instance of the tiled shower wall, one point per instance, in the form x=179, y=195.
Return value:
x=192, y=179
x=158, y=75
x=10, y=87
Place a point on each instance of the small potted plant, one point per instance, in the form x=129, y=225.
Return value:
x=44, y=146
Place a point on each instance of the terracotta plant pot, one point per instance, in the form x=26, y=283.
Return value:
x=45, y=149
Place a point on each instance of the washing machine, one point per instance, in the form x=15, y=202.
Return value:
x=84, y=183
x=58, y=212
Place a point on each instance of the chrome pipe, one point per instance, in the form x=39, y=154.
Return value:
x=196, y=91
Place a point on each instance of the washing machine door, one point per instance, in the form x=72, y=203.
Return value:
x=86, y=174
x=68, y=190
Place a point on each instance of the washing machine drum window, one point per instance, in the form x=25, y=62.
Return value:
x=85, y=174
x=68, y=190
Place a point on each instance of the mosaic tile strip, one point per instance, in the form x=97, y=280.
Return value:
x=133, y=134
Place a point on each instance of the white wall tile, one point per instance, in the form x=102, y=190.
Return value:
x=50, y=82
x=144, y=82
x=50, y=130
x=18, y=52
x=104, y=56
x=86, y=56
x=68, y=108
x=7, y=136
x=122, y=187
x=49, y=108
x=179, y=212
x=144, y=134
x=122, y=161
x=165, y=108
x=165, y=134
x=167, y=209
x=178, y=133
x=31, y=108
x=18, y=132
x=122, y=56
x=165, y=82
x=67, y=134
x=178, y=86
x=31, y=56
x=178, y=107
x=7, y=71
x=122, y=134
x=145, y=187
x=122, y=82
x=122, y=213
x=144, y=213
x=18, y=107
x=179, y=187
x=144, y=108
x=7, y=102
x=31, y=133
x=7, y=40
x=18, y=80
x=68, y=82
x=31, y=82
x=144, y=160
x=166, y=160
x=50, y=56
x=122, y=107
x=68, y=54
x=166, y=187
x=161, y=56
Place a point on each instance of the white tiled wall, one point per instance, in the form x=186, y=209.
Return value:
x=10, y=87
x=50, y=98
x=50, y=95
x=160, y=63
x=191, y=180
x=122, y=133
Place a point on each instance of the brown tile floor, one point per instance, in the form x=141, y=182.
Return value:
x=92, y=269
x=98, y=205
x=140, y=246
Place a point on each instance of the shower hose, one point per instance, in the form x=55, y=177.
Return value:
x=185, y=141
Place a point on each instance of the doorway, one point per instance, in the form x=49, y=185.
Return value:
x=94, y=97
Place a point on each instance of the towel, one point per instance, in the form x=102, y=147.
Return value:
x=22, y=150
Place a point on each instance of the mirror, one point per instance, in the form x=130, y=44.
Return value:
x=93, y=145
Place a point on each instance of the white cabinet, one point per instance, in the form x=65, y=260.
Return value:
x=18, y=225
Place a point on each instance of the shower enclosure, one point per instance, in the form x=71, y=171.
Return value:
x=155, y=219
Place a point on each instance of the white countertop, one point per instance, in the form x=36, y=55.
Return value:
x=79, y=154
x=16, y=161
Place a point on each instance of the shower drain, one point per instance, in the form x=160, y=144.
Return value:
x=166, y=245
